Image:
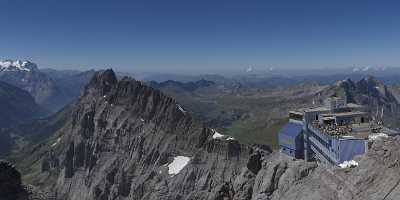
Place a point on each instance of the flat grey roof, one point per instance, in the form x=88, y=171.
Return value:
x=356, y=113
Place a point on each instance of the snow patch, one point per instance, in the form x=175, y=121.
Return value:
x=180, y=108
x=377, y=136
x=178, y=164
x=216, y=134
x=348, y=164
x=249, y=69
x=230, y=138
x=55, y=143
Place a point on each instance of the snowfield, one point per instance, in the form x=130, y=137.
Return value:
x=178, y=164
x=217, y=135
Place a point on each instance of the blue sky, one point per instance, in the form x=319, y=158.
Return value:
x=200, y=36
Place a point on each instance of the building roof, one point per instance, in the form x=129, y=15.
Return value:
x=317, y=109
x=353, y=105
x=296, y=112
x=354, y=113
x=323, y=108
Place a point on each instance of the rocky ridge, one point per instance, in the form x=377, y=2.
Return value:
x=123, y=136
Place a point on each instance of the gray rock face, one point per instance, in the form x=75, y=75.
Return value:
x=376, y=177
x=368, y=91
x=123, y=137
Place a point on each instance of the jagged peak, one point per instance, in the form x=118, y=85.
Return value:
x=105, y=85
x=102, y=80
x=127, y=78
x=344, y=82
x=372, y=79
x=106, y=76
x=349, y=80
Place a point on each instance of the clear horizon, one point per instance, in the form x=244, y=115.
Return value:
x=200, y=37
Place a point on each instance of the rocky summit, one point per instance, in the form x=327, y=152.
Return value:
x=126, y=140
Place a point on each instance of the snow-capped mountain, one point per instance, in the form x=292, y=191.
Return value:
x=17, y=65
x=27, y=76
x=52, y=89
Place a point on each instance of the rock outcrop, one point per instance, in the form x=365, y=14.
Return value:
x=10, y=182
x=368, y=91
x=122, y=138
x=11, y=187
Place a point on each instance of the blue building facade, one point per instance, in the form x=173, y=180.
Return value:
x=330, y=134
x=334, y=150
x=290, y=139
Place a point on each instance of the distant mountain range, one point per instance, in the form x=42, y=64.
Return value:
x=51, y=89
x=254, y=77
x=380, y=99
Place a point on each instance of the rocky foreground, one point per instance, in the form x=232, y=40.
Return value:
x=126, y=140
x=11, y=187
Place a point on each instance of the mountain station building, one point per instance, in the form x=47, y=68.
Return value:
x=331, y=134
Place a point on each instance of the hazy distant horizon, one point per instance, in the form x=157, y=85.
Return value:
x=200, y=36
